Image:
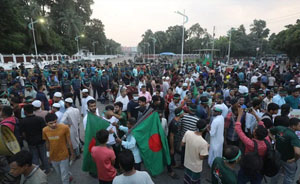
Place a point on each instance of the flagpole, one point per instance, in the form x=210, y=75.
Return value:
x=213, y=46
x=150, y=110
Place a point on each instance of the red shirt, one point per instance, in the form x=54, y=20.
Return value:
x=103, y=157
x=249, y=144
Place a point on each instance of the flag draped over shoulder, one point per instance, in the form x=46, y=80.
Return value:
x=93, y=125
x=153, y=144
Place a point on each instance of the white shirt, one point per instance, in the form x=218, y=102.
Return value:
x=84, y=105
x=139, y=177
x=124, y=100
x=164, y=125
x=271, y=81
x=111, y=139
x=179, y=90
x=254, y=79
x=85, y=119
x=59, y=116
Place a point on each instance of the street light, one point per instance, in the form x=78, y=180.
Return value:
x=148, y=45
x=185, y=20
x=31, y=27
x=77, y=40
x=154, y=40
x=93, y=43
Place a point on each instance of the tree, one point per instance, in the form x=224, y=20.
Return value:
x=288, y=40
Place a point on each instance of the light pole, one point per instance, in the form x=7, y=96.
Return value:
x=185, y=20
x=229, y=46
x=154, y=40
x=77, y=40
x=93, y=43
x=31, y=26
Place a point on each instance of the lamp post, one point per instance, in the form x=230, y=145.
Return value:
x=77, y=41
x=94, y=43
x=31, y=27
x=154, y=40
x=185, y=20
x=229, y=47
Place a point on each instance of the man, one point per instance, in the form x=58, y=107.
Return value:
x=131, y=175
x=76, y=85
x=288, y=145
x=220, y=101
x=142, y=107
x=72, y=118
x=86, y=82
x=279, y=98
x=92, y=108
x=132, y=110
x=203, y=108
x=223, y=169
x=119, y=114
x=66, y=86
x=166, y=86
x=21, y=165
x=174, y=136
x=57, y=98
x=188, y=122
x=145, y=94
x=123, y=98
x=85, y=98
x=268, y=99
x=196, y=150
x=3, y=79
x=96, y=80
x=42, y=97
x=216, y=132
x=293, y=100
x=57, y=137
x=38, y=110
x=104, y=158
x=184, y=90
x=29, y=91
x=7, y=118
x=53, y=86
x=267, y=118
x=173, y=105
x=56, y=110
x=130, y=142
x=31, y=128
x=105, y=80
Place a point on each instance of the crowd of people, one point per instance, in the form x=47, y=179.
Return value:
x=235, y=119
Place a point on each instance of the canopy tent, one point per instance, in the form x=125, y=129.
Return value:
x=167, y=54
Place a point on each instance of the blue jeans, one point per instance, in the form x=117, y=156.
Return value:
x=62, y=169
x=290, y=170
x=39, y=153
x=243, y=178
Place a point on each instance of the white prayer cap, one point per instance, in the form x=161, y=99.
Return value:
x=37, y=103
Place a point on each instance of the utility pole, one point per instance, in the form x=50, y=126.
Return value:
x=213, y=45
x=185, y=20
x=228, y=57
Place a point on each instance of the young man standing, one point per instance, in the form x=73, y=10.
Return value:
x=57, y=137
x=196, y=149
x=85, y=98
x=104, y=158
x=130, y=175
x=31, y=128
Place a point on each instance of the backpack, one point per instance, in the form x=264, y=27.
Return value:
x=252, y=163
x=271, y=161
x=17, y=131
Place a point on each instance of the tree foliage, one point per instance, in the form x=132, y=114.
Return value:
x=65, y=19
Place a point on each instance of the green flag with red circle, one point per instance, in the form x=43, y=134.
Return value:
x=153, y=144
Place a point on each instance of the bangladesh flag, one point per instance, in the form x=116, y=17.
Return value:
x=93, y=125
x=153, y=144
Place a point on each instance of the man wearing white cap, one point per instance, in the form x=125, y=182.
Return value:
x=37, y=109
x=85, y=98
x=184, y=90
x=166, y=86
x=72, y=118
x=56, y=109
x=57, y=98
x=216, y=131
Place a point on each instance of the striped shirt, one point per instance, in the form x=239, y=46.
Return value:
x=189, y=122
